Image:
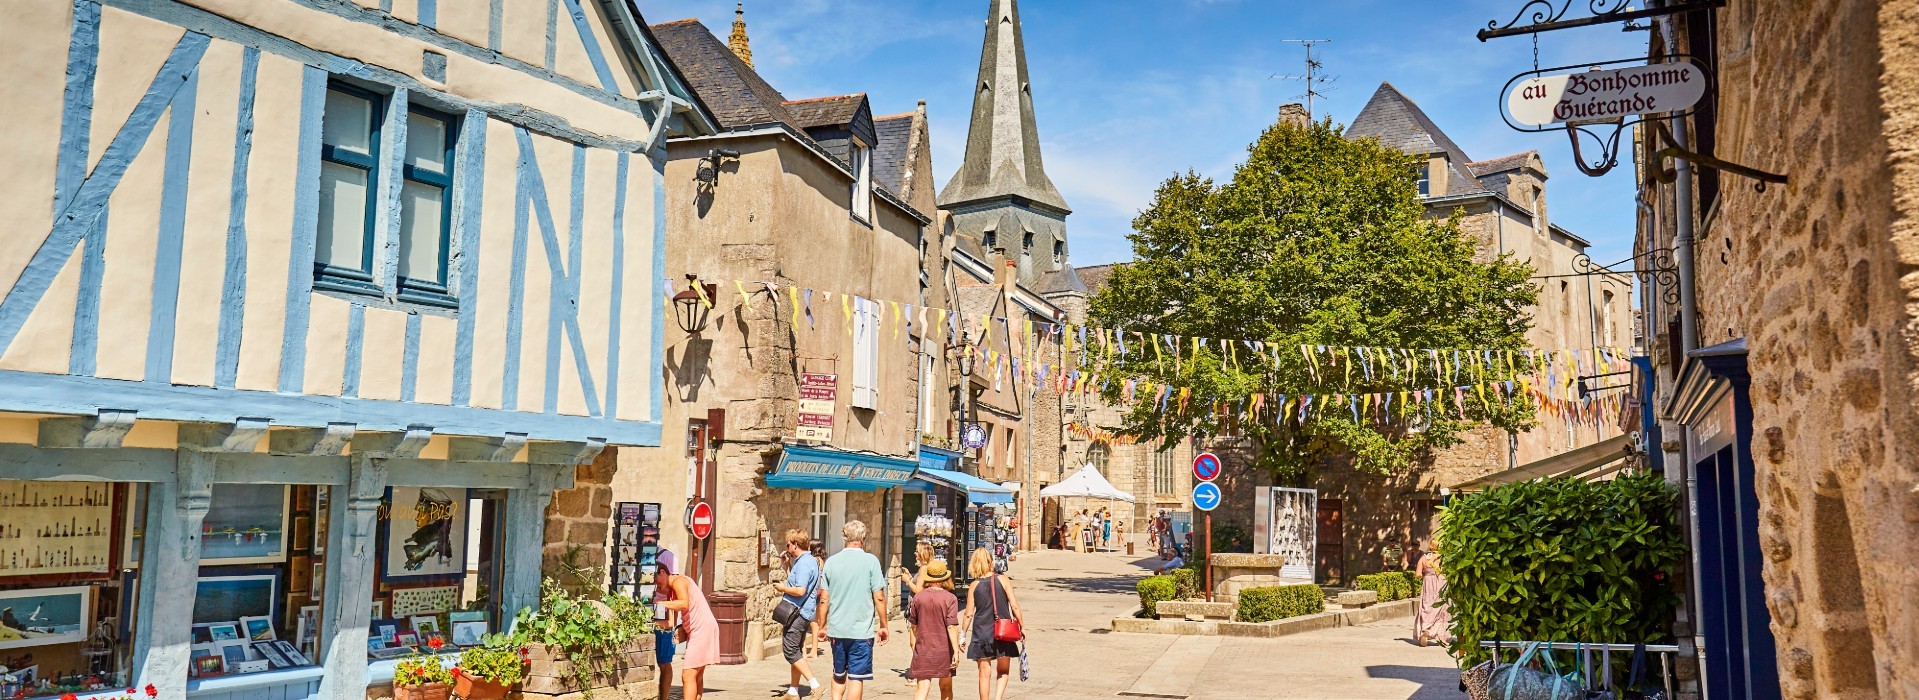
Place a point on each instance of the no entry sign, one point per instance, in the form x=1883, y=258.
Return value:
x=699, y=519
x=1206, y=466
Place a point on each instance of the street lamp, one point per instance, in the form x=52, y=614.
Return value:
x=690, y=309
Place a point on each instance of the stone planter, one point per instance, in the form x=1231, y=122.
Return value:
x=1233, y=572
x=550, y=670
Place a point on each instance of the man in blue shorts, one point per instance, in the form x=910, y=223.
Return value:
x=853, y=603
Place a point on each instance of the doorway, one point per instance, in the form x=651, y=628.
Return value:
x=1329, y=560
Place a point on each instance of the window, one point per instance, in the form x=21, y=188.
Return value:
x=1026, y=247
x=862, y=182
x=827, y=515
x=1423, y=180
x=929, y=400
x=866, y=353
x=1605, y=317
x=1059, y=253
x=1163, y=473
x=426, y=203
x=350, y=155
x=1097, y=456
x=990, y=239
x=349, y=150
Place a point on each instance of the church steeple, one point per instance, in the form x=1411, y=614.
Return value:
x=737, y=41
x=1002, y=143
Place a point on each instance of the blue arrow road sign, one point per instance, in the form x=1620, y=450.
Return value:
x=1206, y=495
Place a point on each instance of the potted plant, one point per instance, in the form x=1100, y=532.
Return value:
x=490, y=671
x=579, y=642
x=421, y=676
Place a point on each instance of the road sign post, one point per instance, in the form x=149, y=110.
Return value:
x=700, y=520
x=1206, y=497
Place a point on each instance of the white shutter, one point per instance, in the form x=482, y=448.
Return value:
x=866, y=354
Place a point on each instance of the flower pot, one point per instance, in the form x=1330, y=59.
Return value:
x=470, y=688
x=428, y=691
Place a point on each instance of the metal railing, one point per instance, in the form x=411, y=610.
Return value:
x=1666, y=653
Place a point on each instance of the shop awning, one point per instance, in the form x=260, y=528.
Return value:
x=1570, y=464
x=977, y=490
x=827, y=469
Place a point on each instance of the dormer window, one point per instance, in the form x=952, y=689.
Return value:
x=1422, y=181
x=990, y=239
x=862, y=161
x=1059, y=253
x=1026, y=247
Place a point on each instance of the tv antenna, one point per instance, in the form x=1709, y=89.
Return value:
x=1316, y=85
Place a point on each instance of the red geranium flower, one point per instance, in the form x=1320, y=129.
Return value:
x=69, y=696
x=435, y=643
x=152, y=692
x=419, y=672
x=129, y=691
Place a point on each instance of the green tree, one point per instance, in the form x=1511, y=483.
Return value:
x=1316, y=240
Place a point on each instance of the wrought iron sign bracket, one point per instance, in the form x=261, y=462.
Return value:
x=1661, y=174
x=1549, y=15
x=1655, y=266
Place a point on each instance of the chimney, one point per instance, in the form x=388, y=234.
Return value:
x=1295, y=114
x=1008, y=274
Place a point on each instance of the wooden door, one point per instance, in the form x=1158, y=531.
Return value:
x=1330, y=558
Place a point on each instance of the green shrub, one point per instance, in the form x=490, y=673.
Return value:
x=1390, y=585
x=1562, y=560
x=1153, y=589
x=1279, y=602
x=1186, y=583
x=1228, y=537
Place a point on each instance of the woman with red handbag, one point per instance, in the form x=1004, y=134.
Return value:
x=993, y=616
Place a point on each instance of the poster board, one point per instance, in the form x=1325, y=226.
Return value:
x=55, y=527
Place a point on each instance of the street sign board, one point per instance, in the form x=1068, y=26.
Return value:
x=1606, y=95
x=699, y=520
x=818, y=395
x=1206, y=466
x=973, y=436
x=1206, y=495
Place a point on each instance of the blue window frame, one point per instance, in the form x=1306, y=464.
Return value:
x=426, y=206
x=349, y=179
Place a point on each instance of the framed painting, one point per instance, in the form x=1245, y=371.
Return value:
x=425, y=533
x=56, y=527
x=36, y=616
x=228, y=598
x=246, y=524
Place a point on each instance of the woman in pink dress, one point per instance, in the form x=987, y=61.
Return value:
x=699, y=632
x=1431, y=617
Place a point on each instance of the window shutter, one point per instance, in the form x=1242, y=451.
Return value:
x=866, y=354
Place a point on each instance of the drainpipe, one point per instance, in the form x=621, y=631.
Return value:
x=1688, y=341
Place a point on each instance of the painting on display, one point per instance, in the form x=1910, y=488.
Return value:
x=55, y=527
x=246, y=524
x=221, y=599
x=425, y=532
x=408, y=602
x=36, y=616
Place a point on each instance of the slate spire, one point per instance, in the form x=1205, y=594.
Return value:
x=1002, y=143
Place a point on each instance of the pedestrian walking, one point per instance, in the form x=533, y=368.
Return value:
x=1432, y=617
x=934, y=617
x=914, y=583
x=664, y=622
x=1106, y=532
x=798, y=602
x=697, y=629
x=989, y=600
x=813, y=640
x=1119, y=533
x=853, y=603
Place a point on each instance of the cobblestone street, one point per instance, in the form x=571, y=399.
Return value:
x=1069, y=599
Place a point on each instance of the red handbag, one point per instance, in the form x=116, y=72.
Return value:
x=1004, y=629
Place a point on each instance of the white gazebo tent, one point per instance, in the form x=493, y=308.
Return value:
x=1086, y=483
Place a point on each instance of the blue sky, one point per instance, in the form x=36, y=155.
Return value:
x=1129, y=92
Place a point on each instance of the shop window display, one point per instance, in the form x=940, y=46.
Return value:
x=66, y=603
x=256, y=605
x=438, y=571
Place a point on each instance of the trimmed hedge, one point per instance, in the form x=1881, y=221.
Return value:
x=1390, y=585
x=1279, y=602
x=1562, y=560
x=1186, y=582
x=1153, y=589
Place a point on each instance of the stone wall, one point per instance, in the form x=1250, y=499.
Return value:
x=577, y=522
x=1816, y=275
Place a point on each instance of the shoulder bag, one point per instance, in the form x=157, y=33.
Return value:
x=1638, y=686
x=1005, y=629
x=1520, y=681
x=786, y=613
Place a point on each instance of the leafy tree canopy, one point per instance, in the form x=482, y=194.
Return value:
x=1316, y=240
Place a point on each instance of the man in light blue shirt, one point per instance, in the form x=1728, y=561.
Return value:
x=801, y=594
x=853, y=603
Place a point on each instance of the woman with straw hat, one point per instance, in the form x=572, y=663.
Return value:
x=934, y=617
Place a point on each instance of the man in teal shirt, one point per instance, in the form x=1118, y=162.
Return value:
x=852, y=579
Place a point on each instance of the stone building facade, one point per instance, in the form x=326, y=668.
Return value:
x=1802, y=313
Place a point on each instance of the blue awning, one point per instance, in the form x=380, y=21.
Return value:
x=977, y=490
x=827, y=469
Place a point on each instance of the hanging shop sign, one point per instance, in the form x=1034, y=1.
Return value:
x=1605, y=95
x=827, y=469
x=973, y=436
x=818, y=395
